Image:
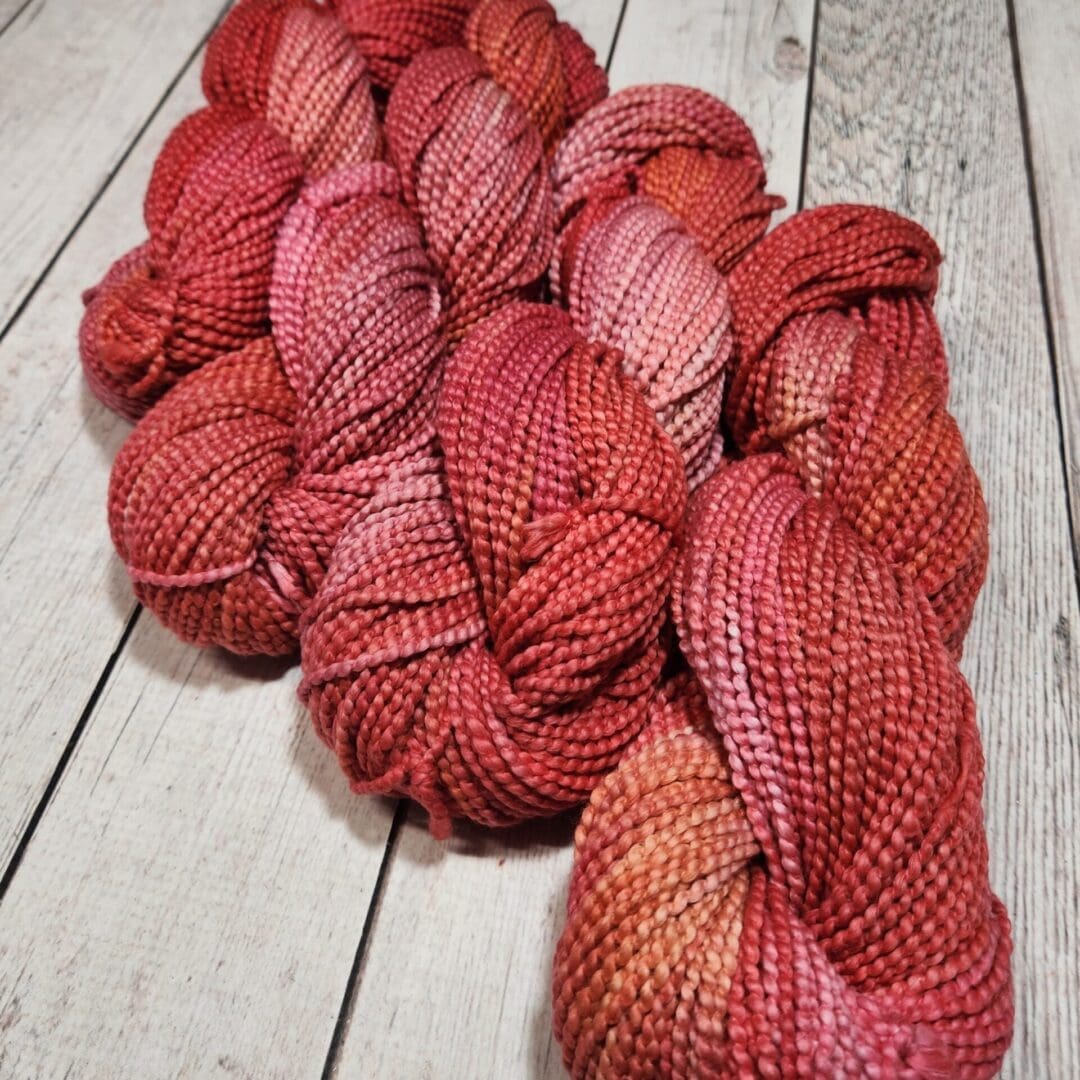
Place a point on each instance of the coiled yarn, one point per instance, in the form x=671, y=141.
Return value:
x=288, y=97
x=490, y=633
x=787, y=874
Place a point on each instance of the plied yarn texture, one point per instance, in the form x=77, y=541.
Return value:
x=492, y=395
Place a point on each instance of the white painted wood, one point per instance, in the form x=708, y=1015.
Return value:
x=191, y=902
x=1048, y=37
x=8, y=10
x=915, y=108
x=755, y=57
x=78, y=79
x=64, y=597
x=456, y=978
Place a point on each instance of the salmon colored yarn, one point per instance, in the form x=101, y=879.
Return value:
x=228, y=498
x=787, y=874
x=472, y=167
x=488, y=638
x=631, y=266
x=289, y=96
x=227, y=501
x=292, y=64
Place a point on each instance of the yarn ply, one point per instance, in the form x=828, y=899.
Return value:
x=489, y=635
x=787, y=875
x=360, y=341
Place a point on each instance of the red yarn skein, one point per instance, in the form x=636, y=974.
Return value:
x=803, y=842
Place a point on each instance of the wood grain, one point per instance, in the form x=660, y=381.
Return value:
x=64, y=597
x=189, y=905
x=915, y=108
x=9, y=10
x=456, y=980
x=1048, y=40
x=78, y=79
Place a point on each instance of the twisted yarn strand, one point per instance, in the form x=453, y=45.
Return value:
x=489, y=636
x=699, y=543
x=802, y=834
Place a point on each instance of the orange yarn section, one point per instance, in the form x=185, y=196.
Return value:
x=544, y=64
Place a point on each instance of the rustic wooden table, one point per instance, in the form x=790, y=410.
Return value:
x=189, y=887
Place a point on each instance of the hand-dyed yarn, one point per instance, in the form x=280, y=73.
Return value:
x=787, y=874
x=472, y=167
x=227, y=499
x=631, y=266
x=295, y=66
x=288, y=96
x=840, y=365
x=488, y=637
x=226, y=520
x=199, y=287
x=543, y=63
x=390, y=33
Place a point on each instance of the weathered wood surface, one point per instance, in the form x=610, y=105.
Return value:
x=65, y=597
x=194, y=899
x=915, y=108
x=189, y=904
x=1048, y=44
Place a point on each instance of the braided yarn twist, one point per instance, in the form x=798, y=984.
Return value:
x=490, y=633
x=364, y=432
x=787, y=874
x=227, y=501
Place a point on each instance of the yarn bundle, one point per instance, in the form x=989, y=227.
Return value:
x=489, y=393
x=787, y=875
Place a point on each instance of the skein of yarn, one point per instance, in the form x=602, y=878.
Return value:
x=787, y=875
x=489, y=635
x=238, y=568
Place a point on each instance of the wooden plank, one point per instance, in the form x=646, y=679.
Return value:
x=456, y=979
x=78, y=79
x=64, y=597
x=9, y=11
x=190, y=904
x=1048, y=39
x=915, y=108
x=756, y=58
